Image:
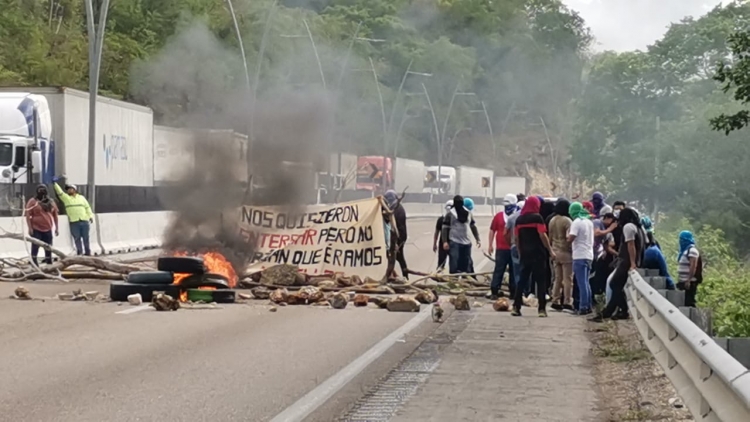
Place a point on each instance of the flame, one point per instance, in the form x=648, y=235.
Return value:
x=215, y=263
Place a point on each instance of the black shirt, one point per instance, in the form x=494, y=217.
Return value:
x=528, y=230
x=439, y=229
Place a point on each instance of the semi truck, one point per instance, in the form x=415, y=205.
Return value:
x=443, y=185
x=371, y=172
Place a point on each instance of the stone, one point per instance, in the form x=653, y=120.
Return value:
x=501, y=305
x=357, y=280
x=343, y=281
x=361, y=300
x=425, y=297
x=164, y=302
x=279, y=295
x=66, y=296
x=245, y=296
x=261, y=293
x=273, y=309
x=326, y=284
x=477, y=305
x=339, y=301
x=280, y=275
x=92, y=295
x=22, y=293
x=311, y=294
x=461, y=303
x=301, y=280
x=437, y=312
x=676, y=403
x=380, y=301
x=403, y=304
x=134, y=299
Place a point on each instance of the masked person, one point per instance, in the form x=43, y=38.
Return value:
x=79, y=214
x=559, y=226
x=41, y=218
x=534, y=251
x=456, y=226
x=581, y=237
x=469, y=204
x=437, y=239
x=597, y=200
x=689, y=267
x=503, y=258
x=510, y=234
x=399, y=214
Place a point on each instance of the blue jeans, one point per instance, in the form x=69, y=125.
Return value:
x=582, y=268
x=80, y=231
x=516, y=270
x=459, y=258
x=503, y=260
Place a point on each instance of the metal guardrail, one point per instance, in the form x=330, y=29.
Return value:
x=714, y=385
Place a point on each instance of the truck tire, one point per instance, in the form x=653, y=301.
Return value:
x=216, y=281
x=150, y=277
x=120, y=290
x=181, y=264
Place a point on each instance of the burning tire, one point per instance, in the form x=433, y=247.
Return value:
x=208, y=296
x=216, y=281
x=150, y=277
x=120, y=290
x=181, y=264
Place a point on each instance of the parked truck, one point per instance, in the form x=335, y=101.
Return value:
x=444, y=185
x=47, y=129
x=371, y=172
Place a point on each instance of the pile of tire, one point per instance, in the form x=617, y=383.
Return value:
x=147, y=282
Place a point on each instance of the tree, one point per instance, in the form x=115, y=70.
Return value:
x=735, y=75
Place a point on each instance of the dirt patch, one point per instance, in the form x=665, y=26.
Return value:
x=632, y=385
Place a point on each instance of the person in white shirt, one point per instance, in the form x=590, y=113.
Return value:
x=581, y=236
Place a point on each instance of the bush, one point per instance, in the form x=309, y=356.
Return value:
x=726, y=281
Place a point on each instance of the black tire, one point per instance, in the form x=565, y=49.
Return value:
x=120, y=290
x=224, y=296
x=181, y=264
x=150, y=277
x=216, y=281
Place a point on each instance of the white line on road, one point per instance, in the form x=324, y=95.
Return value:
x=135, y=309
x=319, y=395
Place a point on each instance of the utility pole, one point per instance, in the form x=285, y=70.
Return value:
x=96, y=42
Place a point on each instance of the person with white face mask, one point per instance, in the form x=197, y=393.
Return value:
x=500, y=245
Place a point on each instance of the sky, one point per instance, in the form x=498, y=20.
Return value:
x=623, y=25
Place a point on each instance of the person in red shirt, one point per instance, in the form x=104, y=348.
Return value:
x=501, y=243
x=41, y=218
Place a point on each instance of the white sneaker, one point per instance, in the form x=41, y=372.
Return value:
x=547, y=298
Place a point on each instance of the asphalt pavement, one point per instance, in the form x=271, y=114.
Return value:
x=78, y=361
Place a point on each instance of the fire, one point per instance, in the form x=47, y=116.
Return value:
x=215, y=263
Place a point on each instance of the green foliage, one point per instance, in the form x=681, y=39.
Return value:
x=726, y=281
x=735, y=76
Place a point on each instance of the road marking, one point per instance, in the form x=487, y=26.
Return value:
x=483, y=264
x=320, y=394
x=135, y=309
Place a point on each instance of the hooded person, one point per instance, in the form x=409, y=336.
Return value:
x=437, y=238
x=581, y=238
x=597, y=200
x=399, y=215
x=457, y=224
x=469, y=205
x=689, y=267
x=41, y=219
x=559, y=226
x=500, y=244
x=588, y=206
x=534, y=252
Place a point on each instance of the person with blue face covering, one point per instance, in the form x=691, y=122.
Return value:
x=469, y=204
x=499, y=244
x=457, y=224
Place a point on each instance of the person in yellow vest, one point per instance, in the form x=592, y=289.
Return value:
x=79, y=215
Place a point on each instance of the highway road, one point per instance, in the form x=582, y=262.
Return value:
x=75, y=361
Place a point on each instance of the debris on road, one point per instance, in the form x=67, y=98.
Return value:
x=426, y=297
x=22, y=293
x=165, y=302
x=461, y=303
x=279, y=295
x=361, y=300
x=245, y=296
x=477, y=305
x=261, y=293
x=380, y=301
x=437, y=312
x=310, y=294
x=135, y=299
x=273, y=309
x=501, y=305
x=338, y=301
x=403, y=304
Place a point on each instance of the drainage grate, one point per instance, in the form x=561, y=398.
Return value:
x=396, y=388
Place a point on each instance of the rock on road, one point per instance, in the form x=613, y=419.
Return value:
x=73, y=361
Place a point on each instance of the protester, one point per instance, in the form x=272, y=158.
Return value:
x=690, y=267
x=597, y=199
x=456, y=226
x=437, y=240
x=559, y=226
x=533, y=249
x=510, y=234
x=588, y=206
x=581, y=236
x=79, y=215
x=618, y=206
x=399, y=214
x=629, y=254
x=653, y=259
x=41, y=218
x=605, y=252
x=648, y=227
x=469, y=204
x=503, y=258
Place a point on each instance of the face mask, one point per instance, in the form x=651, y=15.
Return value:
x=509, y=209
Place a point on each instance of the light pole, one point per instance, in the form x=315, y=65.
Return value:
x=437, y=137
x=494, y=149
x=96, y=42
x=400, y=88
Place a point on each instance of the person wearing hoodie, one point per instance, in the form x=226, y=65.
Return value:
x=581, y=237
x=457, y=224
x=597, y=200
x=499, y=244
x=510, y=235
x=469, y=204
x=534, y=250
x=437, y=239
x=399, y=214
x=559, y=226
